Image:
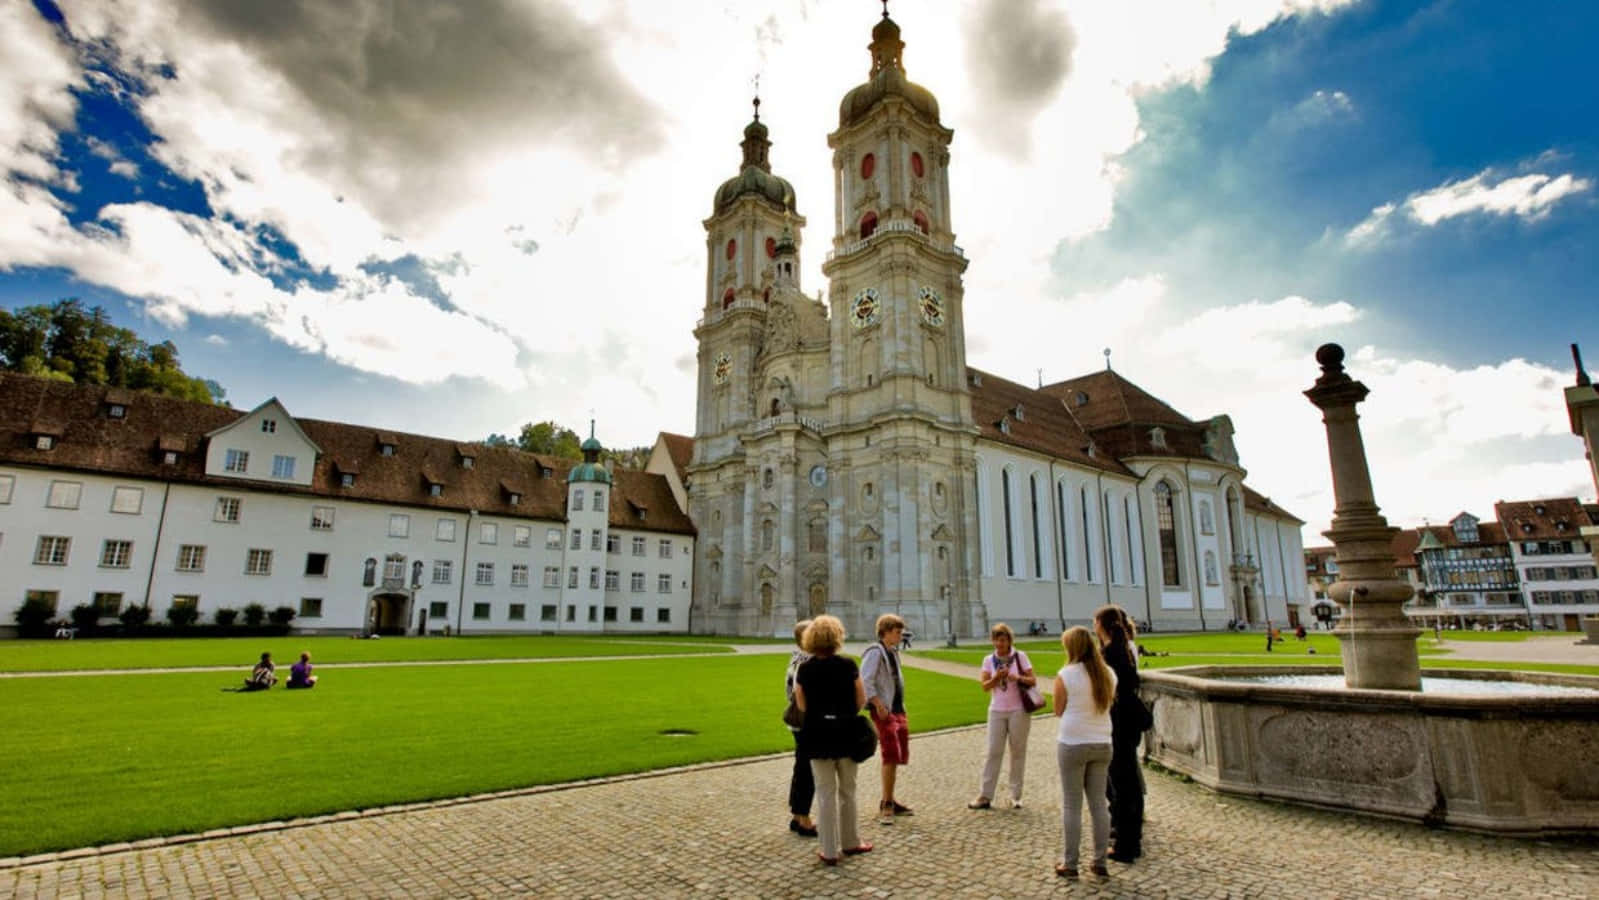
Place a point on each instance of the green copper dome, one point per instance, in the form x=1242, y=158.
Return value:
x=588, y=471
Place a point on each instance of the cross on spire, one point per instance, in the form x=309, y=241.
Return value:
x=757, y=81
x=885, y=9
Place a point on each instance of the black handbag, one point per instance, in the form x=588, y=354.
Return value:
x=793, y=717
x=863, y=741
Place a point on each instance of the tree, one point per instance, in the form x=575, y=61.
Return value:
x=550, y=439
x=66, y=342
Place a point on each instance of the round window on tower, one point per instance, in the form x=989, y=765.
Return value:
x=732, y=247
x=868, y=165
x=917, y=168
x=771, y=248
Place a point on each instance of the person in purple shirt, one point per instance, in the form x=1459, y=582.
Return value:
x=300, y=673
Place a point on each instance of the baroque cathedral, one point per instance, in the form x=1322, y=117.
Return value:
x=845, y=459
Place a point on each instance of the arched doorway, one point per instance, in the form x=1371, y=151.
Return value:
x=388, y=613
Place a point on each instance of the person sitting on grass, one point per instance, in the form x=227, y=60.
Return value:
x=263, y=676
x=300, y=673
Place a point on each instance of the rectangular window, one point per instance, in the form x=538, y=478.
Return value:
x=282, y=466
x=594, y=578
x=258, y=562
x=638, y=546
x=316, y=564
x=577, y=499
x=613, y=580
x=52, y=598
x=666, y=549
x=310, y=607
x=399, y=526
x=228, y=509
x=518, y=612
x=52, y=550
x=547, y=612
x=444, y=530
x=64, y=494
x=577, y=539
x=191, y=558
x=485, y=573
x=438, y=609
x=635, y=582
x=518, y=575
x=593, y=614
x=663, y=615
x=127, y=500
x=571, y=578
x=663, y=584
x=116, y=554
x=488, y=533
x=442, y=570
x=635, y=614
x=552, y=539
x=571, y=613
x=613, y=543
x=8, y=483
x=321, y=518
x=595, y=540
x=107, y=604
x=522, y=536
x=599, y=501
x=610, y=614
x=480, y=611
x=552, y=577
x=236, y=461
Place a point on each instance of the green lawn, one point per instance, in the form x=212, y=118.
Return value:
x=147, y=653
x=96, y=759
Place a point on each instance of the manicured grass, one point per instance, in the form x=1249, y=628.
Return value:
x=97, y=759
x=149, y=653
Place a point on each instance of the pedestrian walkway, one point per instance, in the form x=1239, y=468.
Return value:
x=719, y=831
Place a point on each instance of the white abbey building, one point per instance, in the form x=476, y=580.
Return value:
x=846, y=459
x=118, y=498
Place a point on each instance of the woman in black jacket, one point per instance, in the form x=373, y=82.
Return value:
x=1127, y=720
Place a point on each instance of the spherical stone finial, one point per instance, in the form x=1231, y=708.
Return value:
x=1330, y=357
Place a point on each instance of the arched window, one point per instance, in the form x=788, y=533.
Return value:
x=416, y=574
x=369, y=573
x=1135, y=555
x=1010, y=538
x=1110, y=537
x=1088, y=544
x=1038, y=536
x=766, y=534
x=985, y=551
x=1166, y=523
x=868, y=225
x=920, y=219
x=1065, y=541
x=1211, y=575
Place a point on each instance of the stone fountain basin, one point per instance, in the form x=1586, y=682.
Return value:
x=1494, y=762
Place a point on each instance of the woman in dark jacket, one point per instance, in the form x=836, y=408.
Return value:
x=828, y=690
x=1126, y=786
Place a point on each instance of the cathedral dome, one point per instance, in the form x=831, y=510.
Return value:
x=888, y=81
x=757, y=181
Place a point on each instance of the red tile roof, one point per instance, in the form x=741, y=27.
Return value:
x=1044, y=426
x=94, y=442
x=680, y=447
x=1553, y=518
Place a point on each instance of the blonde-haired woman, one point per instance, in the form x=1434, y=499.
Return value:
x=828, y=689
x=1005, y=674
x=1084, y=690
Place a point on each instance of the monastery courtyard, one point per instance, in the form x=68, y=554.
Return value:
x=718, y=830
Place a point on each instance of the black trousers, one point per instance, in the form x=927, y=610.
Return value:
x=801, y=786
x=1126, y=790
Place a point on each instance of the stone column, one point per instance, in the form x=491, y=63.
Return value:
x=1379, y=642
x=1582, y=406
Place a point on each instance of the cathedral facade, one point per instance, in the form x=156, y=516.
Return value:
x=845, y=459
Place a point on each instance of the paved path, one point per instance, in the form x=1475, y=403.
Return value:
x=1562, y=649
x=718, y=831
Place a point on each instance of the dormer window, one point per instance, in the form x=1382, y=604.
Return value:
x=1019, y=413
x=1004, y=426
x=1539, y=509
x=1157, y=437
x=385, y=449
x=466, y=462
x=1526, y=528
x=169, y=458
x=514, y=499
x=346, y=479
x=269, y=426
x=1560, y=526
x=975, y=380
x=116, y=411
x=44, y=442
x=1080, y=399
x=546, y=472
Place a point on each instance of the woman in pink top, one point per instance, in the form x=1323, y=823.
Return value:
x=1084, y=690
x=1006, y=673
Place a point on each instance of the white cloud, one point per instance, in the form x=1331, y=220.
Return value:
x=1527, y=197
x=36, y=70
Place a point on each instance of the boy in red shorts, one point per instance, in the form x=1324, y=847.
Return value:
x=885, y=698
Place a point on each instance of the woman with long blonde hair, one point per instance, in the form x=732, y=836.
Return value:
x=1084, y=689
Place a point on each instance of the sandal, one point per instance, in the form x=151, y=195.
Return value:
x=865, y=847
x=827, y=860
x=981, y=803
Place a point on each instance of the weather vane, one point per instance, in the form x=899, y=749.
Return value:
x=885, y=9
x=1107, y=359
x=757, y=81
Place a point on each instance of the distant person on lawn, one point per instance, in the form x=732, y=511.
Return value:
x=263, y=676
x=300, y=673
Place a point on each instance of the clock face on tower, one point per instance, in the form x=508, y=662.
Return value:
x=724, y=366
x=863, y=311
x=932, y=307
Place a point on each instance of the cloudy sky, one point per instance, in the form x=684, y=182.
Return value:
x=456, y=219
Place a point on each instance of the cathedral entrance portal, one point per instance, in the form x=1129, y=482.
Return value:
x=388, y=614
x=818, y=600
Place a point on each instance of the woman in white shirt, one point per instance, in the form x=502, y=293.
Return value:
x=1084, y=690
